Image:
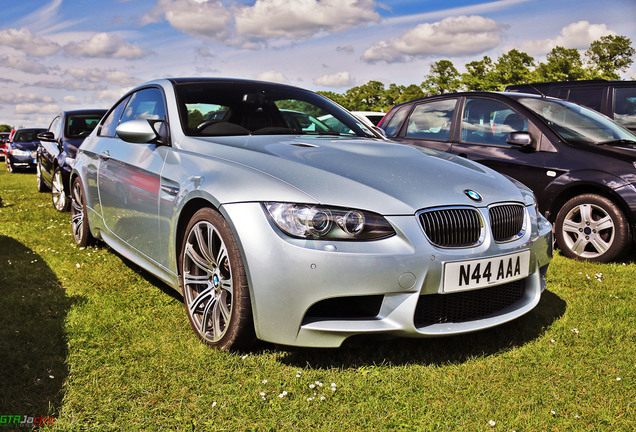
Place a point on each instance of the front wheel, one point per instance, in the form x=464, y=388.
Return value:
x=593, y=228
x=9, y=165
x=58, y=193
x=79, y=215
x=214, y=285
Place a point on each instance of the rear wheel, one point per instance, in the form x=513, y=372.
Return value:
x=79, y=216
x=58, y=194
x=212, y=277
x=593, y=228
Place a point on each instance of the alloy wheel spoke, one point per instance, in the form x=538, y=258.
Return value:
x=197, y=259
x=201, y=297
x=571, y=226
x=586, y=212
x=600, y=245
x=605, y=223
x=579, y=245
x=204, y=246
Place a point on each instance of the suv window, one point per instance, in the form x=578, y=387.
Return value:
x=431, y=120
x=625, y=107
x=488, y=121
x=392, y=128
x=589, y=97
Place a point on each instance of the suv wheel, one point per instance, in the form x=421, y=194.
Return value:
x=592, y=227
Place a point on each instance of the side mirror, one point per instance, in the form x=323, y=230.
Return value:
x=137, y=131
x=522, y=139
x=46, y=136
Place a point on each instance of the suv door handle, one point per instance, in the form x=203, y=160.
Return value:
x=104, y=155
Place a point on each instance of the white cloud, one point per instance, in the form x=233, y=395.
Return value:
x=272, y=76
x=106, y=45
x=577, y=35
x=111, y=96
x=294, y=19
x=193, y=17
x=339, y=79
x=31, y=108
x=66, y=85
x=71, y=99
x=23, y=64
x=98, y=75
x=19, y=98
x=451, y=36
x=25, y=41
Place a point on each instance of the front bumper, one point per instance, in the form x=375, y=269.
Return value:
x=23, y=159
x=319, y=293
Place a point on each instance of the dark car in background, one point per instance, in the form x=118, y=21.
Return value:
x=616, y=99
x=57, y=150
x=21, y=150
x=580, y=164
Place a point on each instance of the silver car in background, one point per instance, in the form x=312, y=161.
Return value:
x=300, y=236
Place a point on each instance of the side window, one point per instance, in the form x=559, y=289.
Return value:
x=625, y=107
x=589, y=97
x=392, y=127
x=431, y=120
x=112, y=120
x=56, y=127
x=145, y=104
x=489, y=122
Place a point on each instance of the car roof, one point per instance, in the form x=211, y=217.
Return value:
x=497, y=95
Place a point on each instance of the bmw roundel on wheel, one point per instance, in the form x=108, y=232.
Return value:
x=275, y=225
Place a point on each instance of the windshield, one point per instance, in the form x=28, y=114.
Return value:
x=247, y=108
x=577, y=123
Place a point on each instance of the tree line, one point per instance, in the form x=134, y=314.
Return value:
x=606, y=58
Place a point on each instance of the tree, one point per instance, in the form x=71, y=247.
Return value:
x=411, y=92
x=337, y=98
x=443, y=78
x=562, y=64
x=513, y=68
x=5, y=128
x=610, y=55
x=480, y=75
x=367, y=97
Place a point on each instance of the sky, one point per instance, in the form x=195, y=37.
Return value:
x=71, y=54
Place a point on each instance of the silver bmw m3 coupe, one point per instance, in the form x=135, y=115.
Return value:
x=274, y=225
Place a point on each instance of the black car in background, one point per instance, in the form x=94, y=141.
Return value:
x=614, y=98
x=580, y=164
x=57, y=150
x=21, y=150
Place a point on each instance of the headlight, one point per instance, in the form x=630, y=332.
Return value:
x=327, y=223
x=16, y=152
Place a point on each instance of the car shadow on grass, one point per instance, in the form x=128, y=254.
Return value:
x=359, y=352
x=33, y=309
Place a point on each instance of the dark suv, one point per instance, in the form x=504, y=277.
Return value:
x=615, y=99
x=580, y=164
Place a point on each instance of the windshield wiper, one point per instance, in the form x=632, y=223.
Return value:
x=617, y=142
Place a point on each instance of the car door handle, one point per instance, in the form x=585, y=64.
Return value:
x=105, y=155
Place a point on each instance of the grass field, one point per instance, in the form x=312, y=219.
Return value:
x=95, y=343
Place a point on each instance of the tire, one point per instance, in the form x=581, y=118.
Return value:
x=593, y=228
x=212, y=278
x=60, y=199
x=42, y=187
x=10, y=168
x=79, y=216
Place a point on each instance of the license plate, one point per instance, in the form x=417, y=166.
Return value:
x=467, y=275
